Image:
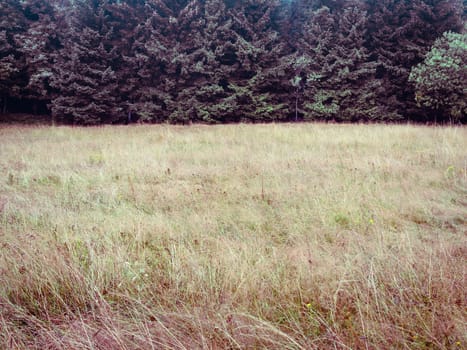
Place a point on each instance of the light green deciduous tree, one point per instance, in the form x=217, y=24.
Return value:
x=441, y=79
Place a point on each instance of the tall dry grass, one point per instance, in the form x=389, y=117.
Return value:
x=305, y=236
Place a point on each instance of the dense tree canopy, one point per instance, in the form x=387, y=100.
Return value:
x=440, y=79
x=182, y=61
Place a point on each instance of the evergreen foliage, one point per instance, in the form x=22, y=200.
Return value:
x=143, y=60
x=39, y=46
x=399, y=34
x=12, y=23
x=257, y=82
x=333, y=67
x=84, y=74
x=183, y=61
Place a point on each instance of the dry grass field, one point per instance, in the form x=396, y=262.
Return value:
x=306, y=236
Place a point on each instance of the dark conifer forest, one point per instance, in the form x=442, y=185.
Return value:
x=211, y=61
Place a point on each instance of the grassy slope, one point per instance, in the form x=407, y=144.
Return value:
x=246, y=236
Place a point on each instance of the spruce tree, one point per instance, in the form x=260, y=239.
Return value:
x=84, y=75
x=352, y=80
x=192, y=67
x=333, y=78
x=215, y=59
x=12, y=65
x=143, y=55
x=39, y=45
x=107, y=61
x=399, y=34
x=259, y=84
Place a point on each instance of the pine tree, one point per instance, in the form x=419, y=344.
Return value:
x=353, y=80
x=12, y=65
x=106, y=61
x=193, y=65
x=259, y=84
x=214, y=69
x=84, y=75
x=399, y=35
x=39, y=45
x=333, y=77
x=143, y=54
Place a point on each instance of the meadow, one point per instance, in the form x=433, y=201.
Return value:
x=290, y=236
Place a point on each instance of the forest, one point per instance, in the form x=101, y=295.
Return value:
x=89, y=62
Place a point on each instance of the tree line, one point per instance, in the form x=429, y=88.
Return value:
x=222, y=61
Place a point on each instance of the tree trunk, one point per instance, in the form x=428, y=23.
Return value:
x=296, y=106
x=34, y=107
x=4, y=104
